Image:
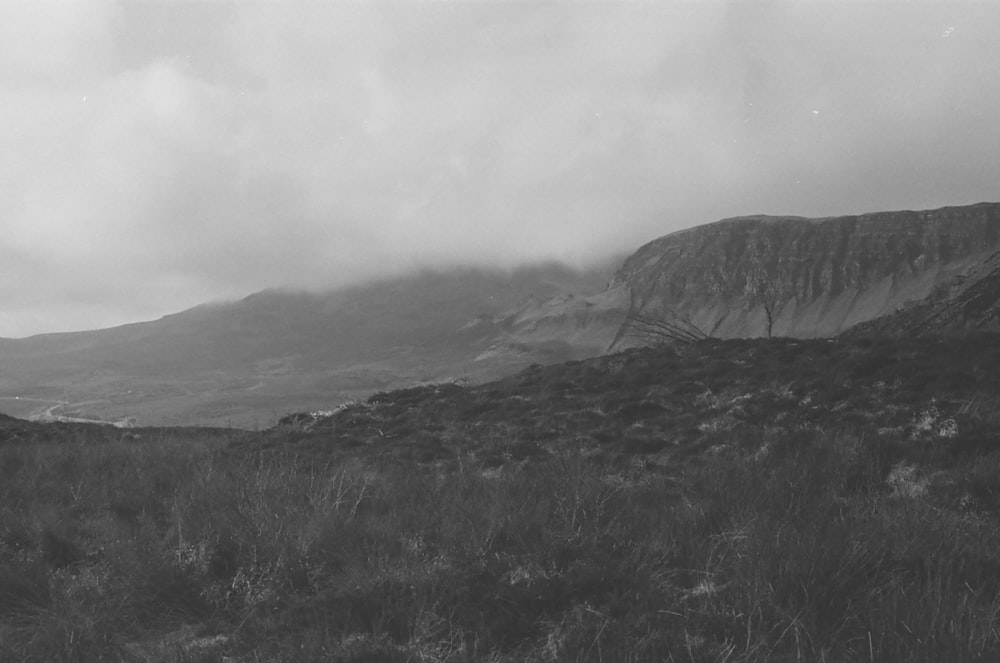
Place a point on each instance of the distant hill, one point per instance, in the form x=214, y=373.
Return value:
x=247, y=362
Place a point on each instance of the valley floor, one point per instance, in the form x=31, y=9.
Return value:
x=766, y=500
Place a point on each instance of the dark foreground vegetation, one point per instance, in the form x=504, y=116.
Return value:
x=767, y=500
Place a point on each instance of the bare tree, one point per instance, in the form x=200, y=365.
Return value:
x=766, y=291
x=655, y=325
x=769, y=302
x=662, y=327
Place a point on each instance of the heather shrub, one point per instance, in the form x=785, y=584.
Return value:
x=760, y=506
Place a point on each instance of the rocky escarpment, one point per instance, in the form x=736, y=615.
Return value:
x=812, y=277
x=970, y=301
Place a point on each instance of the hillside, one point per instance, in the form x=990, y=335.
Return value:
x=245, y=363
x=673, y=402
x=969, y=301
x=743, y=500
x=817, y=277
x=820, y=276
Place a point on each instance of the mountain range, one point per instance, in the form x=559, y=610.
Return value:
x=245, y=363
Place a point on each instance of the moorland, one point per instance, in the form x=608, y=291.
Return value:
x=737, y=500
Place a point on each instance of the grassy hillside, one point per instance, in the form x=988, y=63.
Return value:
x=766, y=500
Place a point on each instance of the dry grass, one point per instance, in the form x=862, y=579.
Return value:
x=574, y=513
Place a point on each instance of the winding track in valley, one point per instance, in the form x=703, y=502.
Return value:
x=49, y=411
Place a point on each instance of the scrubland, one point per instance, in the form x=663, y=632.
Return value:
x=766, y=500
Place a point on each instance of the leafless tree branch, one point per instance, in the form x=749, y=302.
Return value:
x=665, y=327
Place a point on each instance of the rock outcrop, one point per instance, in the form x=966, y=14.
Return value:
x=793, y=276
x=817, y=277
x=968, y=302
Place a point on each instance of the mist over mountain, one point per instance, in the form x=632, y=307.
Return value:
x=248, y=362
x=764, y=275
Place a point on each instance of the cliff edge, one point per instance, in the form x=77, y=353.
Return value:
x=906, y=272
x=794, y=276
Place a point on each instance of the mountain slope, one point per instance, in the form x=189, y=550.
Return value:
x=821, y=276
x=792, y=276
x=246, y=362
x=816, y=277
x=673, y=402
x=970, y=301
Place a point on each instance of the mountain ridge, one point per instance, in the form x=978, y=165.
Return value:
x=818, y=276
x=825, y=276
x=247, y=362
x=244, y=362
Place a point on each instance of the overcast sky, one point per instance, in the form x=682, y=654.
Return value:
x=154, y=156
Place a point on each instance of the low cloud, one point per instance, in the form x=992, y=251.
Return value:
x=156, y=156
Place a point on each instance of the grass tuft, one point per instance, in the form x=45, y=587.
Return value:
x=739, y=502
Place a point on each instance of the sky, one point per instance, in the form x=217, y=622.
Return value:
x=158, y=155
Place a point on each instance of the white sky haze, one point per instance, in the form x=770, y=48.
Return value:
x=157, y=155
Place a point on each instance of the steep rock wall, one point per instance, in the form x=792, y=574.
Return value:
x=969, y=302
x=818, y=276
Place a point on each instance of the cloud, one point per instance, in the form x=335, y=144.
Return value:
x=157, y=155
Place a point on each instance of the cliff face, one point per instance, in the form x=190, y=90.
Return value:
x=968, y=302
x=818, y=277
